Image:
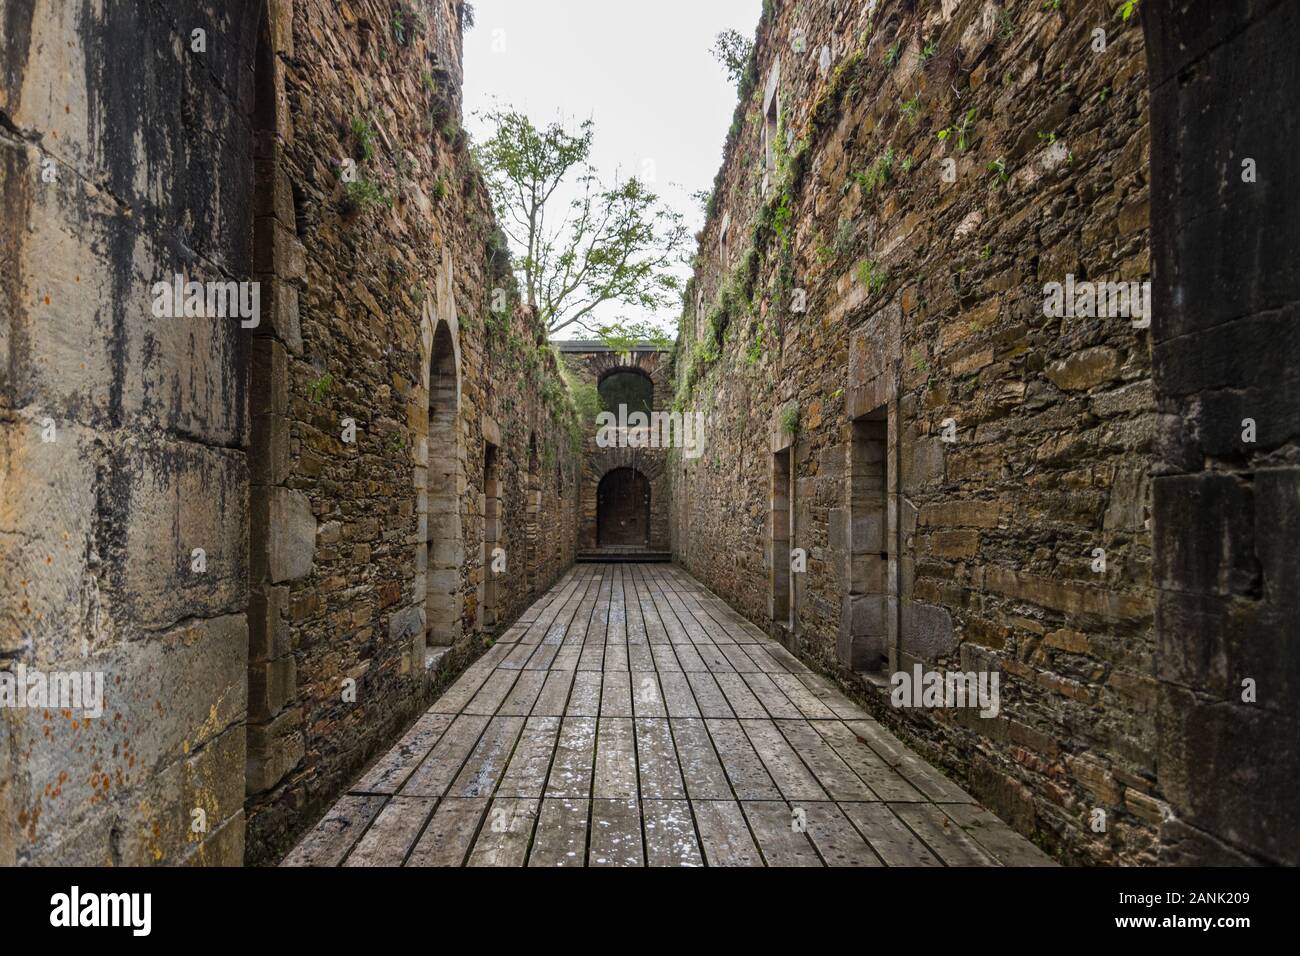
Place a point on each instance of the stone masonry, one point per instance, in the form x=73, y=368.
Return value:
x=330, y=462
x=590, y=364
x=969, y=476
x=326, y=548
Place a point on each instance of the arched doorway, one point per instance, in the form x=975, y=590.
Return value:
x=631, y=388
x=444, y=541
x=623, y=509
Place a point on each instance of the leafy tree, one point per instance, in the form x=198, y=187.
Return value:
x=614, y=243
x=733, y=51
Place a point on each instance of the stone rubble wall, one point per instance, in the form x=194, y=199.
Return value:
x=175, y=434
x=589, y=368
x=925, y=298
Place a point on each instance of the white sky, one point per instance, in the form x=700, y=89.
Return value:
x=641, y=70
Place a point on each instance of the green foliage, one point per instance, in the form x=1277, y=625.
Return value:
x=911, y=108
x=586, y=399
x=871, y=275
x=841, y=243
x=926, y=55
x=616, y=243
x=999, y=170
x=440, y=189
x=878, y=173
x=960, y=129
x=1127, y=9
x=755, y=352
x=363, y=139
x=706, y=351
x=407, y=24
x=363, y=193
x=892, y=55
x=790, y=419
x=317, y=389
x=623, y=336
x=734, y=52
x=781, y=217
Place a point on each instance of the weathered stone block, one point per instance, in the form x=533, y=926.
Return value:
x=269, y=633
x=927, y=631
x=271, y=685
x=283, y=519
x=169, y=499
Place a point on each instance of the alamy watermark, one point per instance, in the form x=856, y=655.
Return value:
x=58, y=690
x=133, y=911
x=684, y=430
x=180, y=299
x=922, y=688
x=1098, y=300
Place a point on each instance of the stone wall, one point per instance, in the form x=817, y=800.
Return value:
x=588, y=364
x=396, y=334
x=1226, y=499
x=866, y=334
x=146, y=419
x=330, y=461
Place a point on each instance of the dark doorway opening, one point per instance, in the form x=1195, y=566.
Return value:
x=631, y=388
x=623, y=509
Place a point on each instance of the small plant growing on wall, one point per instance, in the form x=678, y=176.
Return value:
x=912, y=108
x=878, y=173
x=1006, y=25
x=790, y=419
x=961, y=130
x=317, y=389
x=407, y=25
x=362, y=194
x=871, y=275
x=999, y=170
x=363, y=139
x=755, y=351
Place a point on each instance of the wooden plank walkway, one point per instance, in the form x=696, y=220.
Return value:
x=631, y=718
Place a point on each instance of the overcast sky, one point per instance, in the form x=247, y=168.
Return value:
x=642, y=71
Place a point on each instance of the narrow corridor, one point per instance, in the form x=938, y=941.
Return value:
x=631, y=718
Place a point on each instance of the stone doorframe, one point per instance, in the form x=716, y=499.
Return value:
x=282, y=532
x=490, y=510
x=782, y=600
x=872, y=601
x=439, y=470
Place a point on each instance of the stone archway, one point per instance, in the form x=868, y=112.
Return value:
x=623, y=509
x=629, y=387
x=444, y=545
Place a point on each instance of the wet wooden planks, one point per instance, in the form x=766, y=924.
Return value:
x=631, y=718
